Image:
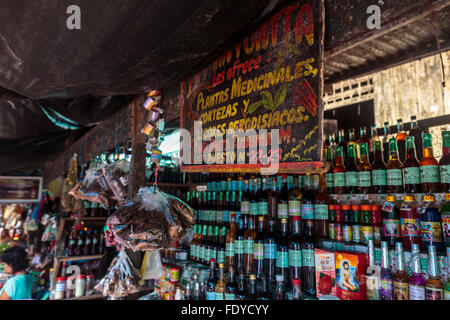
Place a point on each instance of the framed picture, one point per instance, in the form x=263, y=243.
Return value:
x=20, y=189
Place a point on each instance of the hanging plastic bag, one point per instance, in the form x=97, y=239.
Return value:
x=151, y=267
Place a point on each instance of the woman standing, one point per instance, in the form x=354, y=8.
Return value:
x=20, y=285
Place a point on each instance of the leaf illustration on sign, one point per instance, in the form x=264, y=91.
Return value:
x=267, y=100
x=254, y=106
x=280, y=96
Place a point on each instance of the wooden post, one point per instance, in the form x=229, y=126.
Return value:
x=136, y=178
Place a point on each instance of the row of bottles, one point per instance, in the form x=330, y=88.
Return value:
x=383, y=283
x=354, y=172
x=84, y=242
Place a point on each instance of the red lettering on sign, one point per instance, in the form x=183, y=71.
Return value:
x=305, y=27
x=287, y=21
x=262, y=36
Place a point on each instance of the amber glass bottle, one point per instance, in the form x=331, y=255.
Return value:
x=352, y=142
x=386, y=136
x=363, y=137
x=342, y=143
x=401, y=279
x=401, y=142
x=339, y=185
x=411, y=168
x=394, y=169
x=378, y=170
x=434, y=290
x=429, y=167
x=249, y=240
x=444, y=163
x=364, y=170
x=351, y=171
x=416, y=132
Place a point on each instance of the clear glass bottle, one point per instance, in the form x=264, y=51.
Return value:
x=434, y=289
x=279, y=291
x=221, y=284
x=296, y=290
x=401, y=279
x=372, y=275
x=416, y=281
x=386, y=276
x=212, y=281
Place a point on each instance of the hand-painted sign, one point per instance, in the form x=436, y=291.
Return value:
x=272, y=79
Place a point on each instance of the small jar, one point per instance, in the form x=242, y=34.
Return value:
x=80, y=285
x=69, y=284
x=174, y=274
x=89, y=284
x=60, y=288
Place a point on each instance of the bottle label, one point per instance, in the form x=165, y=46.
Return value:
x=258, y=251
x=294, y=208
x=356, y=233
x=254, y=208
x=210, y=295
x=282, y=211
x=339, y=232
x=329, y=178
x=410, y=227
x=433, y=293
x=194, y=251
x=307, y=211
x=229, y=249
x=367, y=234
x=219, y=296
x=201, y=252
x=230, y=296
x=213, y=254
x=60, y=286
x=416, y=292
x=351, y=179
x=446, y=294
x=429, y=174
x=220, y=256
x=295, y=258
x=412, y=175
x=377, y=234
x=226, y=216
x=386, y=289
x=331, y=231
x=208, y=254
x=245, y=207
x=80, y=242
x=321, y=212
x=445, y=217
x=95, y=241
x=445, y=173
x=270, y=251
x=379, y=177
x=347, y=233
x=248, y=246
x=239, y=246
x=394, y=177
x=401, y=290
x=263, y=208
x=391, y=228
x=364, y=179
x=72, y=242
x=431, y=231
x=308, y=258
x=282, y=259
x=339, y=179
x=219, y=216
x=88, y=241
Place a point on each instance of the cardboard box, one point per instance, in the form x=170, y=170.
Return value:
x=350, y=275
x=325, y=273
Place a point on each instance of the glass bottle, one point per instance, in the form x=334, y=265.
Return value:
x=95, y=243
x=356, y=225
x=386, y=136
x=372, y=275
x=386, y=277
x=416, y=132
x=307, y=206
x=258, y=249
x=364, y=170
x=343, y=144
x=338, y=224
x=221, y=245
x=295, y=200
x=391, y=222
x=229, y=242
x=434, y=289
x=80, y=243
x=429, y=167
x=221, y=284
x=240, y=292
x=296, y=290
x=87, y=242
x=279, y=292
x=401, y=279
x=272, y=200
x=363, y=138
x=339, y=185
x=249, y=240
x=444, y=163
x=416, y=281
x=263, y=204
x=283, y=200
x=401, y=135
x=251, y=295
x=347, y=226
x=230, y=287
x=430, y=225
x=410, y=223
x=262, y=292
x=411, y=168
x=321, y=202
x=270, y=255
x=367, y=229
x=212, y=281
x=329, y=175
x=445, y=218
x=373, y=139
x=308, y=266
x=239, y=246
x=378, y=170
x=282, y=260
x=331, y=222
x=447, y=285
x=377, y=218
x=193, y=247
x=352, y=142
x=295, y=250
x=351, y=171
x=394, y=170
x=71, y=247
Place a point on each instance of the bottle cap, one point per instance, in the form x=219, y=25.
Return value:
x=346, y=207
x=398, y=246
x=212, y=260
x=81, y=276
x=409, y=198
x=375, y=207
x=365, y=207
x=252, y=277
x=296, y=282
x=447, y=197
x=90, y=276
x=279, y=277
x=221, y=265
x=283, y=220
x=261, y=218
x=337, y=207
x=331, y=207
x=356, y=207
x=61, y=279
x=428, y=197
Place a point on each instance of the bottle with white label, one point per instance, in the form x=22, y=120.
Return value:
x=372, y=275
x=434, y=289
x=416, y=281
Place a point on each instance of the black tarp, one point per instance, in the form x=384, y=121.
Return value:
x=123, y=48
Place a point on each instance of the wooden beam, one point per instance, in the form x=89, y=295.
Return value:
x=136, y=177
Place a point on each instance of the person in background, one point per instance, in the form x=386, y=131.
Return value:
x=20, y=285
x=5, y=238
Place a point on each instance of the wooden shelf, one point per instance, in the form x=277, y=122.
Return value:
x=75, y=258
